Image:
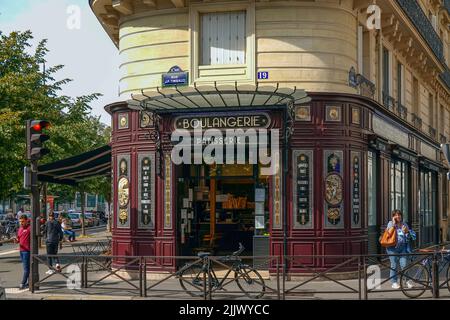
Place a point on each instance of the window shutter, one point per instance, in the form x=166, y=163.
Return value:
x=223, y=37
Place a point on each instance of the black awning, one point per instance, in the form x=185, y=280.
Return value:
x=75, y=169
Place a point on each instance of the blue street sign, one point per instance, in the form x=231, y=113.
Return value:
x=175, y=77
x=263, y=75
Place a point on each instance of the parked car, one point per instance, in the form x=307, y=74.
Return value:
x=76, y=219
x=92, y=218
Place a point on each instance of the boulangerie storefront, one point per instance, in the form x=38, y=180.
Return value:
x=170, y=202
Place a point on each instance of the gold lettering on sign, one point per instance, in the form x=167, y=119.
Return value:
x=167, y=188
x=277, y=199
x=223, y=122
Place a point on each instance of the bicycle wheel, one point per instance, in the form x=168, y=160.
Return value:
x=414, y=281
x=191, y=280
x=250, y=282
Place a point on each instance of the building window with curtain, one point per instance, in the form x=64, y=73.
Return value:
x=223, y=38
x=399, y=187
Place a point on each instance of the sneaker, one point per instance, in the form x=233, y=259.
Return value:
x=58, y=268
x=395, y=285
x=23, y=286
x=50, y=271
x=409, y=284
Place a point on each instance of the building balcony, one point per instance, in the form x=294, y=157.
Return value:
x=432, y=131
x=420, y=20
x=388, y=101
x=402, y=111
x=445, y=77
x=417, y=121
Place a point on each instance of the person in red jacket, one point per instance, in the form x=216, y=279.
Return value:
x=23, y=238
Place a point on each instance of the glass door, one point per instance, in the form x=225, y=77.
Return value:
x=428, y=208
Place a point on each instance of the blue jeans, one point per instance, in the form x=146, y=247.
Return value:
x=70, y=233
x=394, y=261
x=52, y=249
x=25, y=257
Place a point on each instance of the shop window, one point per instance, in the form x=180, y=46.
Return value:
x=303, y=188
x=427, y=206
x=333, y=188
x=223, y=38
x=400, y=84
x=372, y=189
x=444, y=198
x=399, y=187
x=91, y=200
x=386, y=72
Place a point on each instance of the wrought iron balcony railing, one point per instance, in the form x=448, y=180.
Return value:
x=432, y=131
x=446, y=76
x=420, y=20
x=358, y=81
x=417, y=122
x=388, y=101
x=402, y=111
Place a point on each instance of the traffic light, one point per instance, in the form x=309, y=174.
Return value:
x=35, y=139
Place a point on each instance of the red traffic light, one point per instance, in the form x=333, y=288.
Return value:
x=38, y=125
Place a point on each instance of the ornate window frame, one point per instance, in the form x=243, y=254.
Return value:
x=123, y=211
x=310, y=186
x=331, y=177
x=150, y=178
x=356, y=195
x=236, y=72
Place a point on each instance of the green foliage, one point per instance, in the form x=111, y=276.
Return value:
x=26, y=92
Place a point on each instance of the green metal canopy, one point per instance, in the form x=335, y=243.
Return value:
x=75, y=169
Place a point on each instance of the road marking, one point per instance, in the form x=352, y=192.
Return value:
x=9, y=252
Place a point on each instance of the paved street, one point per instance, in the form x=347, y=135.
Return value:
x=113, y=287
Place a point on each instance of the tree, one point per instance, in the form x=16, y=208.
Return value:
x=27, y=92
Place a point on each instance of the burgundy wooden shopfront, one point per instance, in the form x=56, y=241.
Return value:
x=326, y=181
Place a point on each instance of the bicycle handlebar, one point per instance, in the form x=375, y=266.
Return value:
x=239, y=251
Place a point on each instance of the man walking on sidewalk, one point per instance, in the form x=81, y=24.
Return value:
x=54, y=235
x=23, y=238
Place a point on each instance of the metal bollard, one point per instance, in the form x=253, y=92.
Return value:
x=435, y=276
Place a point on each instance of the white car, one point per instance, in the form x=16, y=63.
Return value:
x=76, y=219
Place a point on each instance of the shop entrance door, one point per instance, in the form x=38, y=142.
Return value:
x=220, y=206
x=428, y=208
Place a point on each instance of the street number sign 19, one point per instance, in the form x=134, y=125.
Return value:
x=263, y=75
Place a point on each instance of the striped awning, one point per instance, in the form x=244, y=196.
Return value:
x=221, y=96
x=78, y=168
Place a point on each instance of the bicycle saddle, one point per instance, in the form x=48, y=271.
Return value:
x=203, y=254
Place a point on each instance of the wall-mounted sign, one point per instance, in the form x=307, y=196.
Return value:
x=263, y=75
x=175, y=77
x=390, y=132
x=260, y=120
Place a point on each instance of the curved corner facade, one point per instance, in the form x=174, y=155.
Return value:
x=367, y=143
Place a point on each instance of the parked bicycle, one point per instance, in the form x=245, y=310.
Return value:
x=415, y=280
x=198, y=279
x=8, y=230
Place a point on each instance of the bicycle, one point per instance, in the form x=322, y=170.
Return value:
x=198, y=279
x=417, y=278
x=8, y=231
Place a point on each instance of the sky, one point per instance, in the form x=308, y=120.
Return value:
x=81, y=45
